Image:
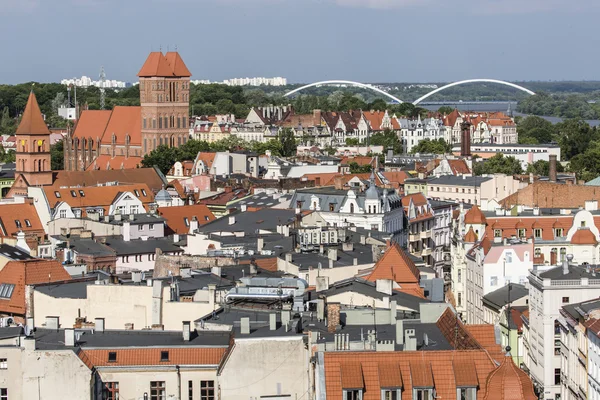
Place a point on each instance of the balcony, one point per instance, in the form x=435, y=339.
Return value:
x=426, y=252
x=426, y=235
x=413, y=237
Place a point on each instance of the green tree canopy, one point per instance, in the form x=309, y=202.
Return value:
x=355, y=168
x=427, y=146
x=445, y=109
x=542, y=168
x=575, y=137
x=537, y=128
x=388, y=139
x=498, y=164
x=57, y=157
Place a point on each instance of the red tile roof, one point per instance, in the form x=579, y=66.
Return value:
x=124, y=120
x=177, y=65
x=470, y=237
x=92, y=124
x=152, y=356
x=552, y=195
x=508, y=225
x=396, y=265
x=451, y=118
x=107, y=162
x=32, y=121
x=149, y=176
x=417, y=368
x=508, y=382
x=323, y=179
x=584, y=236
x=475, y=216
x=28, y=272
x=176, y=217
x=22, y=212
x=459, y=167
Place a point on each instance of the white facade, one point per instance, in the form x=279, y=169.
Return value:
x=126, y=204
x=593, y=367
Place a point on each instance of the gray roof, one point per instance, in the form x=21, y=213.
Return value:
x=434, y=289
x=163, y=195
x=367, y=288
x=139, y=246
x=328, y=195
x=363, y=254
x=10, y=332
x=13, y=253
x=500, y=297
x=249, y=222
x=462, y=180
x=575, y=272
x=46, y=339
x=582, y=310
x=263, y=200
x=89, y=246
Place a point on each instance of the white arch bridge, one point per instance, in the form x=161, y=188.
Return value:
x=420, y=99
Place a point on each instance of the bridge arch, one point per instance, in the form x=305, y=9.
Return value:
x=362, y=85
x=420, y=99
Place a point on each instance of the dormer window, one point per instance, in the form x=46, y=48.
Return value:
x=466, y=393
x=144, y=192
x=391, y=394
x=521, y=233
x=57, y=194
x=82, y=193
x=423, y=394
x=558, y=232
x=352, y=394
x=537, y=233
x=497, y=233
x=18, y=223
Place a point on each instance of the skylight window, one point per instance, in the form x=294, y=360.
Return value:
x=81, y=193
x=57, y=194
x=73, y=193
x=6, y=290
x=28, y=223
x=18, y=223
x=112, y=356
x=144, y=192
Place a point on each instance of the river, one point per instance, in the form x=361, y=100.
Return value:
x=492, y=106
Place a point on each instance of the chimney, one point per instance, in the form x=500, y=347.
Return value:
x=70, y=337
x=322, y=283
x=288, y=257
x=126, y=231
x=332, y=254
x=99, y=325
x=393, y=306
x=260, y=242
x=193, y=225
x=316, y=117
x=566, y=262
x=333, y=317
x=272, y=322
x=243, y=207
x=399, y=331
x=384, y=286
x=107, y=218
x=552, y=167
x=186, y=331
x=117, y=217
x=232, y=220
x=330, y=263
x=175, y=237
x=245, y=326
x=465, y=141
x=285, y=318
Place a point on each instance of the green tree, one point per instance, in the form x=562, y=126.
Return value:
x=190, y=149
x=575, y=137
x=378, y=105
x=355, y=168
x=427, y=146
x=445, y=110
x=163, y=157
x=537, y=128
x=57, y=156
x=542, y=168
x=498, y=164
x=352, y=142
x=388, y=139
x=288, y=142
x=587, y=165
x=7, y=124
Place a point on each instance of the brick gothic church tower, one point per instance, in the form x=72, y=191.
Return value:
x=33, y=150
x=164, y=97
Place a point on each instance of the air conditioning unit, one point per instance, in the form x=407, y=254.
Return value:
x=6, y=321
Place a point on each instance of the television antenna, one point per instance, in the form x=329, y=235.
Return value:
x=102, y=91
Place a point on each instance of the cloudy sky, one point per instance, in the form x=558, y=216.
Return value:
x=304, y=40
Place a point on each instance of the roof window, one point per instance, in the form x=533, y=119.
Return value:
x=81, y=193
x=73, y=193
x=6, y=290
x=112, y=356
x=57, y=194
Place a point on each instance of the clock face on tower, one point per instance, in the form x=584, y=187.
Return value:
x=40, y=142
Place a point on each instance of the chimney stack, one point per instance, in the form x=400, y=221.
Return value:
x=465, y=141
x=99, y=324
x=552, y=167
x=186, y=331
x=333, y=317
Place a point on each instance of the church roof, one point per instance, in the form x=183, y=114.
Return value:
x=508, y=382
x=159, y=65
x=32, y=122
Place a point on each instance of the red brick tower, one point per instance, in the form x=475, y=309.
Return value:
x=465, y=140
x=33, y=150
x=164, y=97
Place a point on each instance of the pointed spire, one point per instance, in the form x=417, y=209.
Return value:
x=32, y=121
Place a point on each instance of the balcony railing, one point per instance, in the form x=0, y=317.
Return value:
x=426, y=252
x=413, y=237
x=426, y=235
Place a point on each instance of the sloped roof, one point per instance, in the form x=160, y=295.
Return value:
x=152, y=356
x=92, y=124
x=508, y=382
x=150, y=176
x=22, y=212
x=584, y=236
x=156, y=65
x=470, y=237
x=177, y=65
x=176, y=217
x=508, y=225
x=475, y=216
x=124, y=120
x=107, y=162
x=28, y=272
x=396, y=265
x=552, y=195
x=32, y=121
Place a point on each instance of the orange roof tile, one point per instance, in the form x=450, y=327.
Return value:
x=584, y=236
x=177, y=65
x=352, y=376
x=396, y=176
x=124, y=120
x=418, y=199
x=107, y=162
x=149, y=176
x=176, y=217
x=268, y=264
x=465, y=373
x=92, y=124
x=156, y=65
x=28, y=272
x=508, y=225
x=475, y=216
x=324, y=179
x=396, y=265
x=390, y=375
x=152, y=356
x=26, y=215
x=32, y=121
x=508, y=382
x=459, y=167
x=471, y=237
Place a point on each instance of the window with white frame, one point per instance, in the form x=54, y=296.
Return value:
x=3, y=363
x=391, y=394
x=537, y=233
x=493, y=281
x=62, y=214
x=352, y=394
x=466, y=393
x=423, y=393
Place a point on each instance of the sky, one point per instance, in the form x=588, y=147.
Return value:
x=304, y=40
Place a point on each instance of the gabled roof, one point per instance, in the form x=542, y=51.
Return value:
x=92, y=124
x=159, y=65
x=475, y=216
x=150, y=176
x=28, y=272
x=177, y=65
x=470, y=237
x=177, y=216
x=124, y=120
x=396, y=265
x=26, y=215
x=32, y=121
x=152, y=356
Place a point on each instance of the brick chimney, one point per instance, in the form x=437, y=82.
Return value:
x=316, y=117
x=333, y=316
x=465, y=139
x=552, y=167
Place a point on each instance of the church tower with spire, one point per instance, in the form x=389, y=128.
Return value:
x=33, y=150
